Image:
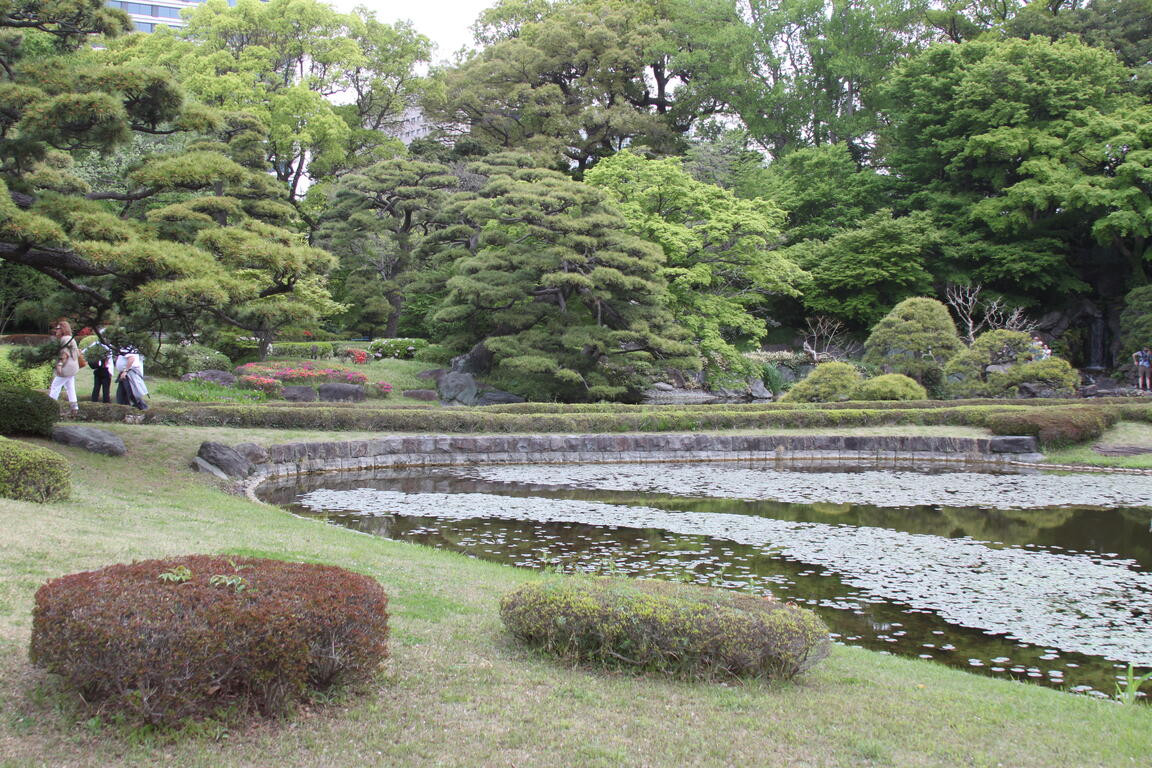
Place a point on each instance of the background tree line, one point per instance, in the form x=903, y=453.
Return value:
x=606, y=188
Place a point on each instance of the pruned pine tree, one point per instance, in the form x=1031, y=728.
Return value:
x=192, y=229
x=571, y=305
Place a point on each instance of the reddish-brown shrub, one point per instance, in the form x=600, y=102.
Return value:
x=187, y=637
x=1055, y=427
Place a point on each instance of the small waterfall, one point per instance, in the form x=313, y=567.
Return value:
x=1097, y=344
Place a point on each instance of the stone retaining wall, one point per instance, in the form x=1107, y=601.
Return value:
x=448, y=450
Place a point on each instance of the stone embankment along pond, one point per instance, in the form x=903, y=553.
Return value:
x=454, y=450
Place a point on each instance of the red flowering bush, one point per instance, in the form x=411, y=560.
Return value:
x=302, y=373
x=187, y=637
x=380, y=389
x=264, y=384
x=359, y=356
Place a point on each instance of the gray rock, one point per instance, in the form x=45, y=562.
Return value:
x=497, y=397
x=90, y=439
x=1001, y=368
x=257, y=454
x=223, y=378
x=458, y=389
x=663, y=386
x=1013, y=444
x=200, y=465
x=227, y=460
x=678, y=397
x=477, y=361
x=428, y=395
x=300, y=393
x=334, y=392
x=758, y=391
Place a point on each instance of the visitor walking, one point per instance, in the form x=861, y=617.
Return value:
x=130, y=386
x=67, y=365
x=99, y=359
x=1143, y=360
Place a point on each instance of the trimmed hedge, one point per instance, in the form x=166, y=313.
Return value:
x=301, y=349
x=26, y=412
x=195, y=636
x=1056, y=427
x=458, y=420
x=31, y=473
x=680, y=630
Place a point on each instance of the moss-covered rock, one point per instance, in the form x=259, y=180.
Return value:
x=30, y=473
x=680, y=630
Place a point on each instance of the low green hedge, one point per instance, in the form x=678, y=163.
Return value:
x=301, y=350
x=25, y=411
x=680, y=630
x=30, y=473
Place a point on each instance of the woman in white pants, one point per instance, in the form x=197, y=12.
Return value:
x=67, y=365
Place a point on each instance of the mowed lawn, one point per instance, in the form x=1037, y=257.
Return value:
x=457, y=692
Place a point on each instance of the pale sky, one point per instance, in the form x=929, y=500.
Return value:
x=445, y=22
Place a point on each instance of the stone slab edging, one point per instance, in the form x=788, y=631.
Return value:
x=453, y=450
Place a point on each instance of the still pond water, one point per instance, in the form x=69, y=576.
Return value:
x=1044, y=578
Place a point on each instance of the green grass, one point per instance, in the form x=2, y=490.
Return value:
x=457, y=692
x=1125, y=433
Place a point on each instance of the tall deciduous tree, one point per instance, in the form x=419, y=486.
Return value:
x=330, y=87
x=720, y=251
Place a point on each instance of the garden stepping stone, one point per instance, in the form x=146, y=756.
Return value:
x=90, y=439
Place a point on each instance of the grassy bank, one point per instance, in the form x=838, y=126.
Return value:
x=457, y=693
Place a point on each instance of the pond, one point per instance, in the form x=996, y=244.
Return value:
x=1038, y=577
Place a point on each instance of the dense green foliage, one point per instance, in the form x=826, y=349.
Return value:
x=681, y=630
x=599, y=194
x=916, y=339
x=999, y=361
x=828, y=383
x=1055, y=427
x=30, y=473
x=889, y=386
x=190, y=637
x=24, y=411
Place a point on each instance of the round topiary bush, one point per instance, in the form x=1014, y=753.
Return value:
x=30, y=473
x=680, y=630
x=890, y=386
x=999, y=361
x=828, y=383
x=193, y=636
x=916, y=339
x=26, y=412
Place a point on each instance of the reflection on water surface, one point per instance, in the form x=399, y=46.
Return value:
x=1058, y=595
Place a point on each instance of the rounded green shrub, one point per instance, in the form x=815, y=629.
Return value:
x=680, y=630
x=177, y=360
x=890, y=386
x=13, y=374
x=916, y=339
x=31, y=473
x=193, y=636
x=25, y=411
x=999, y=361
x=828, y=383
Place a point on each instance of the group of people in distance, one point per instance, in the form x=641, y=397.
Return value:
x=125, y=365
